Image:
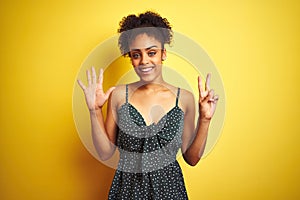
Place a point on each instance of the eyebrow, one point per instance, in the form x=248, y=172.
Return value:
x=145, y=48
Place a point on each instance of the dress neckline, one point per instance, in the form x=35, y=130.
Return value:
x=143, y=119
x=161, y=119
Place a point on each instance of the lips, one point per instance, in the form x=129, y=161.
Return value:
x=146, y=70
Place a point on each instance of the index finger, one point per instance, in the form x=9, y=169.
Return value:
x=200, y=87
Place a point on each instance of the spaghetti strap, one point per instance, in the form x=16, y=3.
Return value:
x=177, y=97
x=126, y=93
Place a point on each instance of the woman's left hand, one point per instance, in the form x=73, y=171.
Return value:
x=207, y=99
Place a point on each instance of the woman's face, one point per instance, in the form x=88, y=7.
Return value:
x=146, y=56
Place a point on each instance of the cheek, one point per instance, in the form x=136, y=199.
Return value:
x=158, y=60
x=134, y=62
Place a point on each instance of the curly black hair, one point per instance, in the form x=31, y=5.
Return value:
x=148, y=22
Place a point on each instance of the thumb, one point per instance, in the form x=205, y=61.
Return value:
x=109, y=91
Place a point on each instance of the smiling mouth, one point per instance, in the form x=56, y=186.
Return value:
x=146, y=69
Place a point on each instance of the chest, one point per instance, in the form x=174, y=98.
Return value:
x=152, y=107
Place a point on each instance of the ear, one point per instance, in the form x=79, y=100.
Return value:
x=164, y=55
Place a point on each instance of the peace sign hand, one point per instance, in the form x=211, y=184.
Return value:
x=94, y=94
x=207, y=99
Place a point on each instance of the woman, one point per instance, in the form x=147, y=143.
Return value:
x=148, y=120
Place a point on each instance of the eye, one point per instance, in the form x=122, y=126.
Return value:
x=151, y=53
x=135, y=55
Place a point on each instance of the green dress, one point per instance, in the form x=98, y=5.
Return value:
x=148, y=168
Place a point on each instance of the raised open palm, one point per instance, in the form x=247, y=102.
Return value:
x=94, y=94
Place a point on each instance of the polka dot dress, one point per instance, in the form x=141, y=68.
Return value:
x=148, y=168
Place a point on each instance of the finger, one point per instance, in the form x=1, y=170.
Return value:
x=216, y=98
x=93, y=75
x=81, y=85
x=209, y=97
x=211, y=94
x=109, y=91
x=213, y=108
x=88, y=74
x=100, y=78
x=207, y=83
x=214, y=105
x=200, y=87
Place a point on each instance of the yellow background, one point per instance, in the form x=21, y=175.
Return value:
x=254, y=44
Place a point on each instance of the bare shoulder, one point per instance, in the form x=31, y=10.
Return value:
x=119, y=90
x=118, y=96
x=187, y=99
x=186, y=96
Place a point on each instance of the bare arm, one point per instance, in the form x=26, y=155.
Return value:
x=95, y=99
x=194, y=140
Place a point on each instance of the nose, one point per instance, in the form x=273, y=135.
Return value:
x=144, y=59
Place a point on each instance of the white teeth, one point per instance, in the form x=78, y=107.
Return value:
x=146, y=69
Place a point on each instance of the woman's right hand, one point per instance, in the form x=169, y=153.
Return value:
x=94, y=94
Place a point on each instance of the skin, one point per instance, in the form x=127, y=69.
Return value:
x=152, y=97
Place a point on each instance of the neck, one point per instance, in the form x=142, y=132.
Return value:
x=151, y=86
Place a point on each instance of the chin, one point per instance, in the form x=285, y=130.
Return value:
x=149, y=79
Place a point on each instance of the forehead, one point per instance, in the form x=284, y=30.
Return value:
x=143, y=41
